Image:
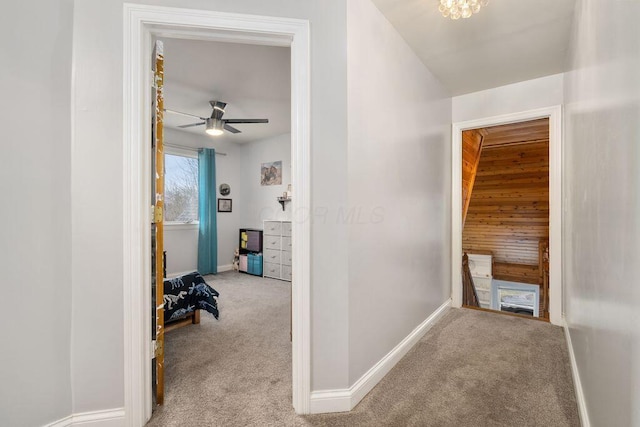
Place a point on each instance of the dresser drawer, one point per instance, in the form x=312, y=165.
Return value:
x=286, y=272
x=272, y=255
x=286, y=229
x=273, y=228
x=286, y=258
x=272, y=242
x=271, y=270
x=286, y=243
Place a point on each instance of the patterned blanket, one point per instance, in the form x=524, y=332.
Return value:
x=185, y=294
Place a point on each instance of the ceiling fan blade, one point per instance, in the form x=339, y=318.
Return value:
x=246, y=120
x=184, y=114
x=231, y=129
x=191, y=125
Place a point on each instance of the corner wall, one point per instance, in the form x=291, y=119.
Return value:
x=602, y=205
x=399, y=189
x=35, y=214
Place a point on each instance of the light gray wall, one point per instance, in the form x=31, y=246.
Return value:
x=260, y=202
x=399, y=188
x=514, y=98
x=35, y=218
x=97, y=203
x=602, y=204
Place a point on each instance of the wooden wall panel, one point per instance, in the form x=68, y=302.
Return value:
x=471, y=149
x=508, y=212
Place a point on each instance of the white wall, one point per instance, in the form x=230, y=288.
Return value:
x=522, y=96
x=35, y=218
x=399, y=188
x=602, y=203
x=259, y=202
x=97, y=204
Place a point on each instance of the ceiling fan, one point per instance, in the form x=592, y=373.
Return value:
x=215, y=124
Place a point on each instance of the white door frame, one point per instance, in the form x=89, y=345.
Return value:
x=141, y=24
x=555, y=201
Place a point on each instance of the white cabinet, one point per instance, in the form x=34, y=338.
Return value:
x=277, y=250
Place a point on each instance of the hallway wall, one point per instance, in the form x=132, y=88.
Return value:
x=35, y=214
x=399, y=188
x=602, y=204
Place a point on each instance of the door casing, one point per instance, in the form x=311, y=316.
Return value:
x=554, y=114
x=141, y=24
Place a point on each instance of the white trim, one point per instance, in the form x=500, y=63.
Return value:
x=226, y=267
x=141, y=22
x=105, y=418
x=554, y=114
x=345, y=400
x=577, y=384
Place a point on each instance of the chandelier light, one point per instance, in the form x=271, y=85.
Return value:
x=456, y=9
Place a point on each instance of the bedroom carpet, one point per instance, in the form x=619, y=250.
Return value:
x=472, y=368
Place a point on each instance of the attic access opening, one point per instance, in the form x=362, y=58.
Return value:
x=505, y=218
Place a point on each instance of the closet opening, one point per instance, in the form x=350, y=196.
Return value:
x=507, y=214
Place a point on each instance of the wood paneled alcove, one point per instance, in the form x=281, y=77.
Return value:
x=506, y=192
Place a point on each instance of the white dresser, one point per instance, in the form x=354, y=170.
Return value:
x=277, y=250
x=481, y=272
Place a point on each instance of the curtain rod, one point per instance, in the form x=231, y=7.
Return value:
x=182, y=147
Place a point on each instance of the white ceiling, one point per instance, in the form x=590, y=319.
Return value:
x=253, y=80
x=507, y=42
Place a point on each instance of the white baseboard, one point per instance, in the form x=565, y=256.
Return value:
x=227, y=267
x=105, y=418
x=344, y=400
x=582, y=404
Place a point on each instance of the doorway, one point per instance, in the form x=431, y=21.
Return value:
x=505, y=218
x=553, y=114
x=143, y=23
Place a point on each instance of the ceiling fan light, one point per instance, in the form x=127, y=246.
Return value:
x=215, y=127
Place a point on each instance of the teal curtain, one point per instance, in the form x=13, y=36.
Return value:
x=208, y=232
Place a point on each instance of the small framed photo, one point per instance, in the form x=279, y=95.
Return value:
x=224, y=205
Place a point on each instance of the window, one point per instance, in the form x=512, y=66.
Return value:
x=180, y=188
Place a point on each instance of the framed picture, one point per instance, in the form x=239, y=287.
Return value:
x=271, y=173
x=224, y=205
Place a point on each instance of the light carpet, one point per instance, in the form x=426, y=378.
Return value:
x=471, y=369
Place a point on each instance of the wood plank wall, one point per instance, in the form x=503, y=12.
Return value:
x=471, y=149
x=509, y=209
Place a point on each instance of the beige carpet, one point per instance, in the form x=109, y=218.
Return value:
x=471, y=369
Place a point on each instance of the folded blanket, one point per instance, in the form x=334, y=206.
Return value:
x=185, y=294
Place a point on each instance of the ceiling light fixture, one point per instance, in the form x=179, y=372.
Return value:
x=215, y=127
x=456, y=9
